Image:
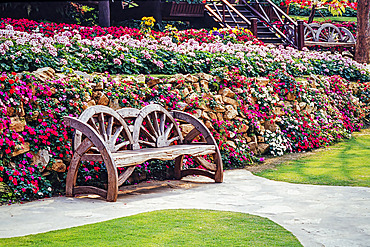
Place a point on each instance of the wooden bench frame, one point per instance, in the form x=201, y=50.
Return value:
x=127, y=137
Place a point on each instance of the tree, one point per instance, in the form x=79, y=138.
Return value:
x=362, y=54
x=104, y=13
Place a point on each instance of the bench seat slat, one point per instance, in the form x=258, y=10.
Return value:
x=134, y=157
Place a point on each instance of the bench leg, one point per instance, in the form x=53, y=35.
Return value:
x=72, y=174
x=178, y=165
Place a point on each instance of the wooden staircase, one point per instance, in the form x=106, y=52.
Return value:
x=240, y=16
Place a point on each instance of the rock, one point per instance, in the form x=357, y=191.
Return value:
x=212, y=115
x=41, y=159
x=175, y=81
x=185, y=92
x=191, y=98
x=230, y=101
x=114, y=104
x=44, y=74
x=179, y=77
x=226, y=92
x=204, y=76
x=209, y=124
x=79, y=73
x=205, y=115
x=302, y=105
x=186, y=128
x=270, y=125
x=140, y=78
x=279, y=111
x=103, y=100
x=253, y=146
x=218, y=99
x=263, y=148
x=154, y=81
x=59, y=166
x=20, y=149
x=33, y=117
x=197, y=87
x=175, y=92
x=261, y=81
x=20, y=110
x=87, y=96
x=204, y=84
x=197, y=113
x=309, y=109
x=231, y=144
x=248, y=138
x=220, y=117
x=181, y=105
x=290, y=96
x=202, y=105
x=237, y=90
x=231, y=135
x=191, y=78
x=243, y=128
x=17, y=124
x=230, y=112
x=10, y=111
x=88, y=104
x=220, y=108
x=260, y=139
x=99, y=85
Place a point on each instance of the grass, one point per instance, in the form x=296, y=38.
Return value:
x=168, y=228
x=320, y=19
x=343, y=164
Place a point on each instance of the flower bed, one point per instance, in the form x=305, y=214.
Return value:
x=274, y=114
x=248, y=117
x=23, y=51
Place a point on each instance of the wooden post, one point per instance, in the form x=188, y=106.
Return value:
x=223, y=13
x=104, y=13
x=362, y=49
x=254, y=26
x=300, y=35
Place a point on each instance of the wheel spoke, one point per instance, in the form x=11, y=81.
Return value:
x=93, y=124
x=151, y=127
x=119, y=146
x=205, y=163
x=176, y=138
x=191, y=135
x=102, y=126
x=110, y=126
x=168, y=130
x=147, y=143
x=162, y=123
x=155, y=122
x=116, y=134
x=147, y=134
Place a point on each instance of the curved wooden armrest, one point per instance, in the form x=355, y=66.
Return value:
x=87, y=130
x=198, y=125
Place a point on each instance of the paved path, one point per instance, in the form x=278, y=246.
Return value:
x=316, y=215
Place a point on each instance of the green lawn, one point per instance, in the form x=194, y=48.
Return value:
x=320, y=19
x=345, y=164
x=168, y=228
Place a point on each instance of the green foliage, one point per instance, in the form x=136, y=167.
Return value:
x=168, y=228
x=344, y=164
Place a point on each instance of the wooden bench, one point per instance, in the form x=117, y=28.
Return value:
x=127, y=137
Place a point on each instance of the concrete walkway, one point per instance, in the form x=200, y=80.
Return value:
x=316, y=215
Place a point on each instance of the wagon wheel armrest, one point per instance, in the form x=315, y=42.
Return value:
x=199, y=127
x=87, y=130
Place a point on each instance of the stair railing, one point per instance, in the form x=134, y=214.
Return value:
x=289, y=30
x=218, y=16
x=226, y=7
